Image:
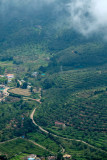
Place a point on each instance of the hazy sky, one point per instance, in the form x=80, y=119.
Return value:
x=86, y=16
x=96, y=11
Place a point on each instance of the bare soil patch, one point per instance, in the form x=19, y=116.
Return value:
x=19, y=91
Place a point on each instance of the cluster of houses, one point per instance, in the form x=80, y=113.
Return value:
x=8, y=76
x=3, y=88
x=34, y=157
x=3, y=92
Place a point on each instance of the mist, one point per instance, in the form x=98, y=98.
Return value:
x=86, y=17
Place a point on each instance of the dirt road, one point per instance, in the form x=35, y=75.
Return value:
x=91, y=146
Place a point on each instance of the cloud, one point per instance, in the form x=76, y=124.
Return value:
x=85, y=16
x=88, y=16
x=18, y=3
x=17, y=8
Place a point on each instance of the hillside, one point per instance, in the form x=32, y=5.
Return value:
x=61, y=75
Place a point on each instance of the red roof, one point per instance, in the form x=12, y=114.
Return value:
x=60, y=123
x=51, y=157
x=10, y=74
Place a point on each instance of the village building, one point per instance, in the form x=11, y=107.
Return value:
x=42, y=158
x=22, y=81
x=37, y=158
x=67, y=156
x=34, y=74
x=2, y=76
x=51, y=158
x=10, y=77
x=32, y=157
x=60, y=124
x=29, y=87
x=2, y=86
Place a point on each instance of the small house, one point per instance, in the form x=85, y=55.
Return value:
x=60, y=124
x=34, y=74
x=37, y=158
x=1, y=76
x=31, y=157
x=51, y=158
x=10, y=77
x=29, y=87
x=67, y=156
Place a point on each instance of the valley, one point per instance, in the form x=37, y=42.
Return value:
x=53, y=85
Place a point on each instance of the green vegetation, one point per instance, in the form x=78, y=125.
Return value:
x=71, y=82
x=3, y=80
x=14, y=118
x=81, y=151
x=81, y=102
x=45, y=141
x=20, y=147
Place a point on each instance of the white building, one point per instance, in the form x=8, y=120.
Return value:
x=10, y=77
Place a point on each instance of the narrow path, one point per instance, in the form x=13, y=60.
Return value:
x=62, y=149
x=31, y=141
x=39, y=145
x=47, y=132
x=28, y=98
x=10, y=140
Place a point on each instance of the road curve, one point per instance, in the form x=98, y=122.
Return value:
x=31, y=116
x=47, y=132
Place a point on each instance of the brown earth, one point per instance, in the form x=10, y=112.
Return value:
x=19, y=91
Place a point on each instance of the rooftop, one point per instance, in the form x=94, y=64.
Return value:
x=10, y=74
x=60, y=123
x=67, y=156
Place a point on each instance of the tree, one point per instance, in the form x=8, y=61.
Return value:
x=18, y=84
x=47, y=83
x=3, y=157
x=41, y=68
x=24, y=86
x=60, y=156
x=31, y=89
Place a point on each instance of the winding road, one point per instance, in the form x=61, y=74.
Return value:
x=47, y=132
x=54, y=135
